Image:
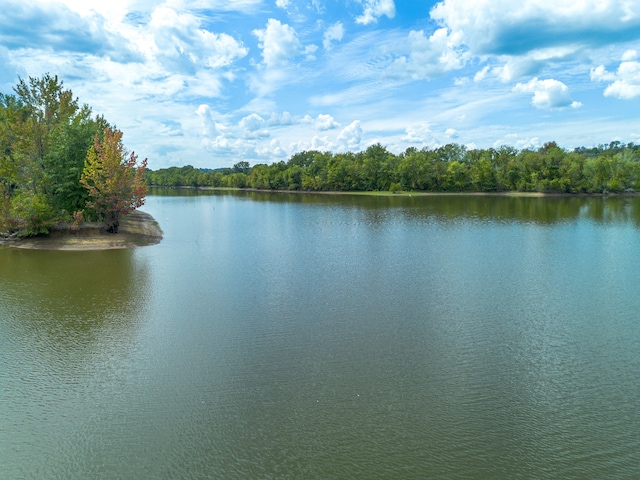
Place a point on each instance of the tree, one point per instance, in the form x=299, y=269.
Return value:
x=114, y=180
x=242, y=167
x=56, y=135
x=44, y=138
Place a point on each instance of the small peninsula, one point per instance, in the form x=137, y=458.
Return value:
x=136, y=229
x=66, y=179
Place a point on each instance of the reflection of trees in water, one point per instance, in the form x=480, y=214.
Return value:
x=545, y=210
x=613, y=210
x=71, y=300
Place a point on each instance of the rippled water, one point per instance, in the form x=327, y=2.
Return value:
x=309, y=336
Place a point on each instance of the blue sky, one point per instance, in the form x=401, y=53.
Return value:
x=212, y=82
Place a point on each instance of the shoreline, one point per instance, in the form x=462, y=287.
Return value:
x=406, y=193
x=136, y=229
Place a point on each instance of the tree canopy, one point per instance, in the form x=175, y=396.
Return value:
x=45, y=139
x=114, y=180
x=614, y=167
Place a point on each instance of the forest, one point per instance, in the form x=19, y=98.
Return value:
x=614, y=167
x=60, y=163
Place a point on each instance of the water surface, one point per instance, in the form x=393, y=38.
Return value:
x=311, y=336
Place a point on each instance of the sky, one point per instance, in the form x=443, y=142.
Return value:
x=209, y=83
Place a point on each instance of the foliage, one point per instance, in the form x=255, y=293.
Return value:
x=114, y=180
x=451, y=168
x=30, y=213
x=44, y=138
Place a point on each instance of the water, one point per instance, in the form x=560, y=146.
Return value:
x=310, y=336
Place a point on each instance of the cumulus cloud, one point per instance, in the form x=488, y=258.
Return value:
x=285, y=118
x=350, y=137
x=374, y=9
x=252, y=123
x=234, y=139
x=321, y=122
x=504, y=27
x=625, y=82
x=321, y=143
x=333, y=34
x=515, y=140
x=548, y=94
x=279, y=43
x=271, y=150
x=451, y=133
x=430, y=56
x=326, y=122
x=180, y=39
x=419, y=134
x=208, y=125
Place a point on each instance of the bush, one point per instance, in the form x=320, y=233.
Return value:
x=31, y=214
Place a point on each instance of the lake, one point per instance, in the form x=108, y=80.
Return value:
x=318, y=336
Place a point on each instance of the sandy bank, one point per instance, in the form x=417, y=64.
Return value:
x=136, y=229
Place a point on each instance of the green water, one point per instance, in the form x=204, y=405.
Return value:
x=310, y=336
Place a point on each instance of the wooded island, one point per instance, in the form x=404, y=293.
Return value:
x=59, y=163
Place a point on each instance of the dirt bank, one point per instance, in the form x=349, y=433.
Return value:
x=136, y=229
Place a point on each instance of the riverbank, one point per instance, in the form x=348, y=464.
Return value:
x=385, y=193
x=136, y=229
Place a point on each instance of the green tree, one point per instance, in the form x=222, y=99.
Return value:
x=58, y=132
x=114, y=180
x=242, y=167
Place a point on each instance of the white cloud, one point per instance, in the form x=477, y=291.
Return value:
x=516, y=40
x=451, y=133
x=271, y=150
x=283, y=4
x=419, y=134
x=548, y=94
x=321, y=143
x=514, y=68
x=504, y=27
x=430, y=56
x=333, y=34
x=326, y=122
x=244, y=6
x=625, y=82
x=220, y=136
x=180, y=40
x=279, y=42
x=374, y=9
x=281, y=119
x=514, y=140
x=479, y=76
x=252, y=123
x=350, y=136
x=600, y=74
x=208, y=125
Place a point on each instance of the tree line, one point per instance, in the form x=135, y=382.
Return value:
x=614, y=167
x=60, y=163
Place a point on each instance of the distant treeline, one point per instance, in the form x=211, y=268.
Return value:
x=451, y=168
